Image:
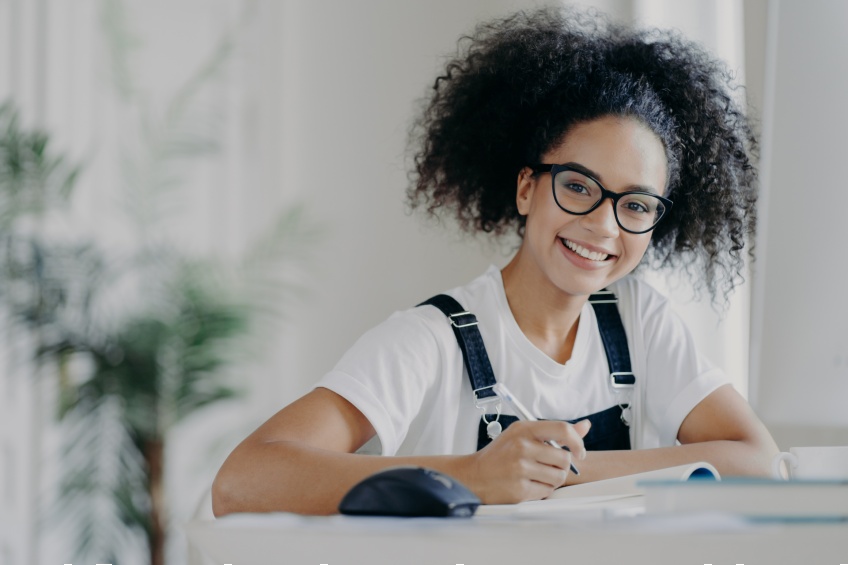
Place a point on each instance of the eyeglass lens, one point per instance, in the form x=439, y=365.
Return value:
x=577, y=193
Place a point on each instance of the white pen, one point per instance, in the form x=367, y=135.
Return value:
x=523, y=414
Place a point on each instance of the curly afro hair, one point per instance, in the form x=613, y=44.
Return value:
x=517, y=86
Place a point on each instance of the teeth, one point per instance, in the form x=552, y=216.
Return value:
x=583, y=252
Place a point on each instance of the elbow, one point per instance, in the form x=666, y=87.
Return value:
x=221, y=500
x=225, y=499
x=759, y=463
x=761, y=453
x=766, y=452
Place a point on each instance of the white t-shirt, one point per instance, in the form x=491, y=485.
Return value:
x=408, y=378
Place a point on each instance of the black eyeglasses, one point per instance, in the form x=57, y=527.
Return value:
x=577, y=193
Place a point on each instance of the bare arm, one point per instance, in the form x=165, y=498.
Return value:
x=722, y=429
x=301, y=460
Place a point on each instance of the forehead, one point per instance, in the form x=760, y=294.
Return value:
x=622, y=152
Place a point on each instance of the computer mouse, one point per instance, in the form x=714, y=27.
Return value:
x=409, y=491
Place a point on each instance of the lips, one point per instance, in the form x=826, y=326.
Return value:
x=586, y=253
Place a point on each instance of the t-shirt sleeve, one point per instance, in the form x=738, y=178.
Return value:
x=678, y=375
x=387, y=372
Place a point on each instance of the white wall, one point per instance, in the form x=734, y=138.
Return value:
x=801, y=340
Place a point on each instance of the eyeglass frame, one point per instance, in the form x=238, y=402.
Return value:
x=614, y=196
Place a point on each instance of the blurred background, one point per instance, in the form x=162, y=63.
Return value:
x=202, y=207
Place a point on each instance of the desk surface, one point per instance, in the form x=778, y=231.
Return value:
x=679, y=540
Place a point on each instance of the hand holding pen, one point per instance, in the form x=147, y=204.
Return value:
x=523, y=414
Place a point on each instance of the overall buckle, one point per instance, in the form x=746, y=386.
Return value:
x=603, y=297
x=622, y=380
x=481, y=403
x=458, y=324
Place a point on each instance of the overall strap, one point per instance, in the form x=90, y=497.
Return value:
x=614, y=338
x=464, y=325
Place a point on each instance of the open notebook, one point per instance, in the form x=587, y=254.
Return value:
x=620, y=492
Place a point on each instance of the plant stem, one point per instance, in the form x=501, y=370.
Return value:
x=154, y=455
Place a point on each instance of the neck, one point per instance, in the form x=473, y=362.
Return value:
x=546, y=315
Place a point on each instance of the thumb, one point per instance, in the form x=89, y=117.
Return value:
x=582, y=427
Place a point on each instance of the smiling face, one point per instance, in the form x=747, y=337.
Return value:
x=580, y=255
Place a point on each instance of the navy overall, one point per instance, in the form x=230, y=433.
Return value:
x=610, y=427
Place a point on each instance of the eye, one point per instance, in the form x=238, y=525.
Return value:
x=576, y=192
x=634, y=206
x=577, y=188
x=638, y=204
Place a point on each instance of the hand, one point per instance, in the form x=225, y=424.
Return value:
x=518, y=465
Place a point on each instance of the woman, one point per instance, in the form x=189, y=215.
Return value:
x=597, y=144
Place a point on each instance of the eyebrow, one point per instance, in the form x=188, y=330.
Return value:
x=590, y=173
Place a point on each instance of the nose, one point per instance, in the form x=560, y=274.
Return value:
x=601, y=220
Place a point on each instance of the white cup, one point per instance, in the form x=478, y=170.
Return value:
x=812, y=463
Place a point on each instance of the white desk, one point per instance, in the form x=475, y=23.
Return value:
x=273, y=539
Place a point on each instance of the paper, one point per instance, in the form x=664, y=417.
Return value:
x=629, y=484
x=594, y=507
x=605, y=498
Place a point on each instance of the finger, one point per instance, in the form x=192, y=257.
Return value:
x=552, y=476
x=547, y=454
x=565, y=434
x=538, y=491
x=582, y=427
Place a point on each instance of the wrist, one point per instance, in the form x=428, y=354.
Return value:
x=465, y=469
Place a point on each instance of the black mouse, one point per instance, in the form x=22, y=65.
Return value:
x=409, y=491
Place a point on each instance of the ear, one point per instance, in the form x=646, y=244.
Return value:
x=524, y=193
